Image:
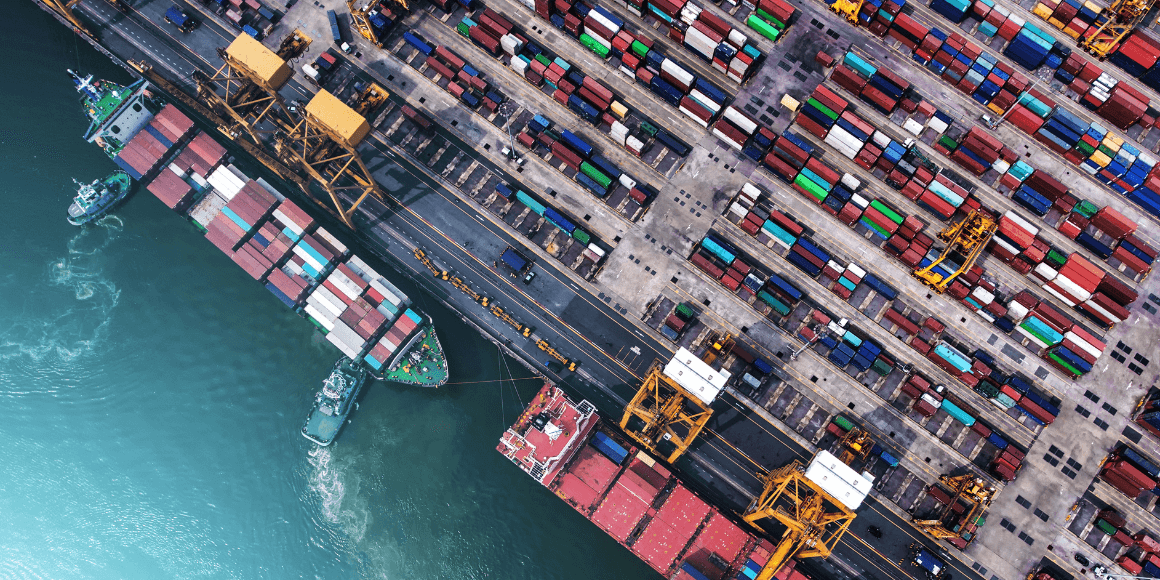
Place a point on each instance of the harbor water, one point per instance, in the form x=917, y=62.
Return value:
x=153, y=395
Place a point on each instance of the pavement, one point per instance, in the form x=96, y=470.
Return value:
x=597, y=315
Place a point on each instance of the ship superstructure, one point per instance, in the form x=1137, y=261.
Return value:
x=116, y=113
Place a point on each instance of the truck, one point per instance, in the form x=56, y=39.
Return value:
x=514, y=260
x=180, y=18
x=935, y=568
x=419, y=119
x=335, y=29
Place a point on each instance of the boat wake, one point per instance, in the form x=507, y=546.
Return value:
x=337, y=487
x=63, y=328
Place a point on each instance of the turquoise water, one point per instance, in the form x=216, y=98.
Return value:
x=152, y=397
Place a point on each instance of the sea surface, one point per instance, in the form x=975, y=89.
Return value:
x=151, y=395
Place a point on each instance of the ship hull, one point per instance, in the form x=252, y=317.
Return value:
x=322, y=428
x=117, y=190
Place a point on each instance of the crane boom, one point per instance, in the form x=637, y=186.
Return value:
x=1113, y=24
x=968, y=237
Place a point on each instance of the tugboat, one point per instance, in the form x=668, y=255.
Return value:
x=333, y=403
x=95, y=199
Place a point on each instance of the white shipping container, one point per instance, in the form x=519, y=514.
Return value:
x=177, y=170
x=699, y=40
x=856, y=270
x=913, y=127
x=1069, y=286
x=1147, y=159
x=1045, y=272
x=737, y=38
x=728, y=141
x=852, y=183
x=519, y=65
x=985, y=316
x=936, y=403
x=740, y=119
x=334, y=338
x=838, y=480
x=286, y=223
x=364, y=271
x=982, y=296
x=605, y=22
x=1100, y=309
x=344, y=285
x=627, y=181
x=1091, y=170
x=1087, y=347
x=208, y=208
x=705, y=101
x=603, y=41
x=1001, y=166
x=313, y=312
x=1023, y=223
x=1061, y=297
x=860, y=201
x=836, y=266
x=1001, y=10
x=596, y=249
x=389, y=293
x=752, y=190
x=1006, y=246
x=1016, y=311
x=1017, y=20
x=511, y=44
x=270, y=188
x=298, y=251
x=325, y=301
x=938, y=125
x=837, y=138
x=882, y=140
x=333, y=241
x=692, y=116
x=634, y=144
x=738, y=210
x=677, y=72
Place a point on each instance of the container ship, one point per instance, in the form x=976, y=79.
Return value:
x=269, y=236
x=563, y=445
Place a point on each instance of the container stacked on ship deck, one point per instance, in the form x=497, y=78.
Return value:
x=149, y=147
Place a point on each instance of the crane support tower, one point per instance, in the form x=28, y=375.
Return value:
x=1113, y=24
x=814, y=520
x=968, y=237
x=318, y=141
x=970, y=498
x=374, y=17
x=663, y=417
x=848, y=9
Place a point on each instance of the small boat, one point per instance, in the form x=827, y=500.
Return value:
x=95, y=199
x=333, y=403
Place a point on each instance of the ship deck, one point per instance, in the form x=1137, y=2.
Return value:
x=433, y=372
x=322, y=427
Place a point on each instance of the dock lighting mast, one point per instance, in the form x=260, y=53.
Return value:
x=819, y=333
x=672, y=406
x=813, y=518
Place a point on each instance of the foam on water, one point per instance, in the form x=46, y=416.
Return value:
x=68, y=327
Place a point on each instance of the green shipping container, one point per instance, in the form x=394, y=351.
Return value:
x=463, y=29
x=774, y=22
x=638, y=48
x=762, y=27
x=1065, y=365
x=596, y=175
x=987, y=390
x=648, y=128
x=881, y=367
x=824, y=109
x=948, y=143
x=1085, y=208
x=812, y=188
x=594, y=45
x=685, y=312
x=1005, y=401
x=866, y=222
x=774, y=303
x=1105, y=527
x=581, y=236
x=531, y=203
x=843, y=422
x=1085, y=149
x=543, y=60
x=1056, y=259
x=886, y=211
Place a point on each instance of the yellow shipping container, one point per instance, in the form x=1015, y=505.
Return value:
x=266, y=66
x=618, y=109
x=790, y=103
x=1100, y=158
x=1057, y=23
x=349, y=126
x=1093, y=6
x=1074, y=34
x=1112, y=142
x=995, y=108
x=1043, y=11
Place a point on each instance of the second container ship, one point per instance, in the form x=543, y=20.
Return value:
x=269, y=236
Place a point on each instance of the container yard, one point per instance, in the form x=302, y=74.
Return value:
x=726, y=179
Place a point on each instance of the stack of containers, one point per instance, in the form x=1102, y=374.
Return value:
x=246, y=210
x=881, y=219
x=735, y=128
x=1130, y=473
x=771, y=18
x=1009, y=460
x=317, y=252
x=808, y=257
x=222, y=231
x=171, y=188
x=978, y=151
x=393, y=341
x=849, y=279
x=950, y=359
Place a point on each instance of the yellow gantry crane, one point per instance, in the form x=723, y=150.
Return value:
x=361, y=17
x=718, y=345
x=663, y=417
x=856, y=445
x=64, y=9
x=947, y=522
x=848, y=9
x=1113, y=24
x=814, y=520
x=968, y=237
x=318, y=140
